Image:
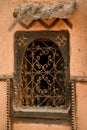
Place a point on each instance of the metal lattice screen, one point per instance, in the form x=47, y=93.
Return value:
x=43, y=75
x=41, y=78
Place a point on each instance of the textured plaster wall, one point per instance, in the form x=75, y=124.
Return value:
x=30, y=126
x=81, y=101
x=78, y=59
x=78, y=37
x=3, y=108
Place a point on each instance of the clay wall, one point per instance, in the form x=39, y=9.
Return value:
x=78, y=61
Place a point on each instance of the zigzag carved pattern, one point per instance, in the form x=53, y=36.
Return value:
x=44, y=23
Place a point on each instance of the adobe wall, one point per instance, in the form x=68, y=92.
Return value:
x=78, y=60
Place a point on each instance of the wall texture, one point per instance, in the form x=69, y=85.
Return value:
x=3, y=107
x=81, y=91
x=78, y=59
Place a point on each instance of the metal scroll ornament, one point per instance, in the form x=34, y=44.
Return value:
x=42, y=75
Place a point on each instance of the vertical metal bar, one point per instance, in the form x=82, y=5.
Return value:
x=32, y=97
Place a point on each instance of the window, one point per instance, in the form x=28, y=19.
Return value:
x=41, y=81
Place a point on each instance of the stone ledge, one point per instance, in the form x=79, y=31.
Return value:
x=43, y=10
x=4, y=77
x=79, y=78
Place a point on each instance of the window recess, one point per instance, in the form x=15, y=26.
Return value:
x=41, y=80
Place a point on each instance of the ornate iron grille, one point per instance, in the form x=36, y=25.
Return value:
x=43, y=75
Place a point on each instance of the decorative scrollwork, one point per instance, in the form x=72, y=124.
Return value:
x=42, y=75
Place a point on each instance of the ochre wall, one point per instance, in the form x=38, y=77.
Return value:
x=81, y=102
x=3, y=105
x=78, y=60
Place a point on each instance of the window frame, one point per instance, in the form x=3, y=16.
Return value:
x=19, y=49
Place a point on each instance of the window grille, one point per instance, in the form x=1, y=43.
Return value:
x=43, y=75
x=41, y=78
